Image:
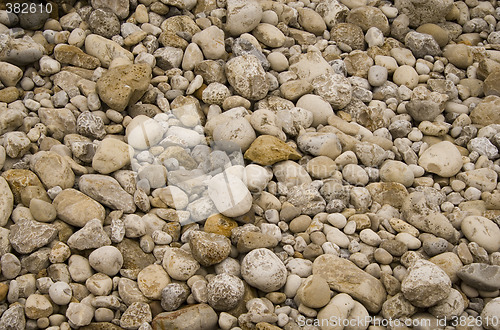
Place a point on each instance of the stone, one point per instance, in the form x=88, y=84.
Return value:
x=53, y=170
x=174, y=295
x=490, y=312
x=151, y=281
x=37, y=306
x=432, y=159
x=333, y=88
x=135, y=315
x=181, y=4
x=491, y=84
x=111, y=155
x=211, y=42
x=320, y=144
x=246, y=75
x=437, y=32
x=208, y=248
x=99, y=284
x=90, y=125
x=105, y=49
x=143, y=132
x=406, y=75
x=107, y=191
x=60, y=293
x=311, y=21
x=91, y=236
x=481, y=276
x=72, y=55
x=107, y=260
x=262, y=269
x=332, y=11
x=269, y=35
x=450, y=263
x=10, y=74
x=124, y=85
x=314, y=292
x=10, y=119
x=237, y=134
x=398, y=306
x=193, y=317
x=242, y=16
x=134, y=257
x=76, y=208
x=172, y=25
x=28, y=235
x=344, y=276
x=294, y=120
x=310, y=65
x=225, y=291
x=483, y=179
x=291, y=174
x=366, y=17
x=179, y=264
x=13, y=318
x=20, y=51
x=6, y=202
x=120, y=7
x=482, y=231
x=320, y=109
x=484, y=113
x=79, y=314
x=422, y=44
x=425, y=284
x=419, y=13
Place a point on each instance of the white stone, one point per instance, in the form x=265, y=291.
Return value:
x=262, y=269
x=211, y=42
x=442, y=158
x=6, y=202
x=230, y=195
x=143, y=132
x=377, y=75
x=320, y=109
x=107, y=260
x=483, y=231
x=406, y=75
x=256, y=177
x=60, y=293
x=242, y=16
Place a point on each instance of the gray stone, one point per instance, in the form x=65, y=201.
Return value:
x=28, y=235
x=91, y=236
x=107, y=191
x=481, y=276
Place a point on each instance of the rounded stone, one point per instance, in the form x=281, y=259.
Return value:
x=107, y=260
x=262, y=269
x=320, y=109
x=406, y=75
x=442, y=158
x=377, y=75
x=60, y=293
x=482, y=231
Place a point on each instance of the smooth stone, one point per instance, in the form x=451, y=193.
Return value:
x=124, y=85
x=314, y=292
x=20, y=51
x=432, y=159
x=37, y=306
x=262, y=269
x=211, y=42
x=143, y=132
x=333, y=88
x=10, y=74
x=320, y=109
x=291, y=174
x=483, y=179
x=491, y=312
x=242, y=16
x=450, y=263
x=438, y=33
x=406, y=75
x=481, y=276
x=76, y=208
x=344, y=276
x=237, y=133
x=60, y=293
x=53, y=170
x=107, y=191
x=459, y=55
x=151, y=281
x=484, y=113
x=320, y=144
x=483, y=231
x=225, y=291
x=42, y=211
x=230, y=195
x=107, y=260
x=79, y=314
x=367, y=17
x=111, y=155
x=425, y=284
x=269, y=35
x=311, y=21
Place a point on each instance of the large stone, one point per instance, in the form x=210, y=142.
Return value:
x=483, y=231
x=172, y=25
x=91, y=236
x=344, y=276
x=247, y=77
x=76, y=208
x=229, y=194
x=333, y=88
x=20, y=51
x=194, y=317
x=442, y=158
x=53, y=170
x=261, y=268
x=67, y=54
x=310, y=65
x=481, y=276
x=367, y=17
x=425, y=284
x=19, y=179
x=107, y=191
x=10, y=119
x=209, y=249
x=28, y=235
x=124, y=85
x=267, y=150
x=134, y=257
x=58, y=121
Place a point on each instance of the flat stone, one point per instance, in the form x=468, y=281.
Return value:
x=481, y=276
x=179, y=264
x=124, y=85
x=107, y=191
x=419, y=13
x=73, y=55
x=76, y=208
x=28, y=235
x=151, y=281
x=242, y=16
x=483, y=231
x=484, y=113
x=111, y=155
x=6, y=202
x=344, y=276
x=432, y=159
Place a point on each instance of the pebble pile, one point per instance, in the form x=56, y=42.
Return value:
x=250, y=164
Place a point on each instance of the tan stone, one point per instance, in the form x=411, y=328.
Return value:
x=124, y=85
x=9, y=94
x=220, y=224
x=76, y=208
x=73, y=55
x=18, y=179
x=267, y=150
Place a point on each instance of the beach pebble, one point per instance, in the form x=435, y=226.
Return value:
x=106, y=259
x=262, y=269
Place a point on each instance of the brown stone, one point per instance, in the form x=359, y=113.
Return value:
x=267, y=150
x=73, y=55
x=220, y=224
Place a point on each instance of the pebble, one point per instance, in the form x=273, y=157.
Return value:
x=225, y=292
x=480, y=276
x=433, y=161
x=106, y=259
